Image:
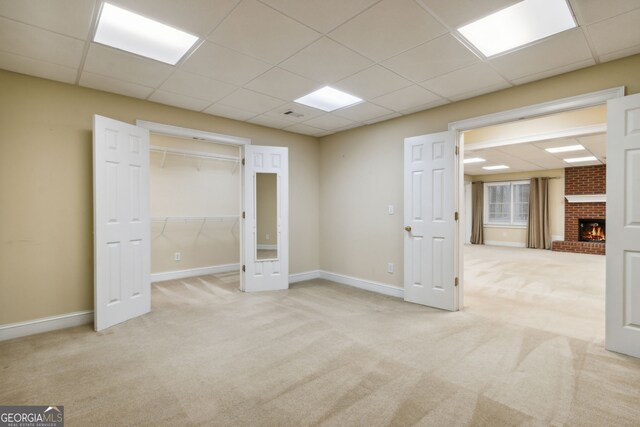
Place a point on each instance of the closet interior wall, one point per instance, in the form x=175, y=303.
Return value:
x=195, y=204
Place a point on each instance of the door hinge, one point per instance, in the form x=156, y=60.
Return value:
x=243, y=215
x=456, y=216
x=245, y=269
x=242, y=162
x=457, y=150
x=455, y=281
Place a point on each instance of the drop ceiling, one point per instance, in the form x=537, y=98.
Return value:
x=256, y=57
x=533, y=156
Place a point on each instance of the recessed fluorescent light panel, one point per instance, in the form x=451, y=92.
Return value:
x=134, y=33
x=565, y=149
x=495, y=168
x=518, y=25
x=474, y=160
x=581, y=159
x=328, y=99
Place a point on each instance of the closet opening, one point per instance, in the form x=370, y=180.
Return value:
x=195, y=205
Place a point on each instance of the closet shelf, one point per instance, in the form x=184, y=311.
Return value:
x=189, y=153
x=185, y=219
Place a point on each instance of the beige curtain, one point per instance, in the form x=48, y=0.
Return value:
x=538, y=232
x=477, y=212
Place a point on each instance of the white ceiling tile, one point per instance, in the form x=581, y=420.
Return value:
x=283, y=84
x=382, y=118
x=322, y=16
x=195, y=86
x=620, y=54
x=363, y=112
x=198, y=17
x=372, y=82
x=467, y=82
x=305, y=129
x=270, y=121
x=460, y=12
x=229, y=112
x=432, y=59
x=595, y=144
x=107, y=84
x=328, y=122
x=590, y=11
x=406, y=98
x=307, y=112
x=35, y=43
x=260, y=31
x=220, y=63
x=555, y=71
x=33, y=67
x=326, y=61
x=126, y=67
x=168, y=98
x=248, y=100
x=615, y=34
x=388, y=28
x=422, y=107
x=68, y=17
x=560, y=50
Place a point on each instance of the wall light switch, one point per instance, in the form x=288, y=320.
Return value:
x=392, y=210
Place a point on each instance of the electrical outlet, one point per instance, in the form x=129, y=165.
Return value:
x=267, y=237
x=390, y=267
x=177, y=256
x=392, y=209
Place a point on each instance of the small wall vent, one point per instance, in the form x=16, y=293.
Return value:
x=293, y=114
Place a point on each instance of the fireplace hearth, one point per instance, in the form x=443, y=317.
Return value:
x=591, y=230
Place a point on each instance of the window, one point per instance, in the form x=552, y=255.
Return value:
x=506, y=203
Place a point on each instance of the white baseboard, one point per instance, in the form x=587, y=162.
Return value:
x=267, y=247
x=367, y=285
x=301, y=277
x=46, y=324
x=192, y=272
x=509, y=244
x=555, y=237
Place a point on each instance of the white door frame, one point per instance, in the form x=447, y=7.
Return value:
x=551, y=107
x=218, y=138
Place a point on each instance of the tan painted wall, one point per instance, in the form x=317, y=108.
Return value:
x=266, y=209
x=46, y=243
x=190, y=187
x=556, y=206
x=362, y=169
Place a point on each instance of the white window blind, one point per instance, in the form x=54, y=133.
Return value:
x=506, y=203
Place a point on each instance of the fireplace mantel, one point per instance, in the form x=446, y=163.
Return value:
x=586, y=198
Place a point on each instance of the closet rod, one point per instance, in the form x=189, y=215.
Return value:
x=197, y=154
x=516, y=180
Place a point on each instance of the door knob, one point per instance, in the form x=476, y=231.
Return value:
x=408, y=228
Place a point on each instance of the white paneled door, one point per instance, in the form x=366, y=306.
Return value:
x=429, y=217
x=121, y=222
x=623, y=226
x=270, y=273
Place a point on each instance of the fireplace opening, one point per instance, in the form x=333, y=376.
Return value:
x=591, y=230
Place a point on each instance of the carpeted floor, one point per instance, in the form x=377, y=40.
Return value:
x=326, y=354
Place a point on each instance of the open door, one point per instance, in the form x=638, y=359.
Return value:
x=121, y=222
x=266, y=219
x=623, y=226
x=430, y=221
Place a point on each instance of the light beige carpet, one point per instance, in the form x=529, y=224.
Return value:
x=324, y=354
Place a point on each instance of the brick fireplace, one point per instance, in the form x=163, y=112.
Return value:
x=584, y=187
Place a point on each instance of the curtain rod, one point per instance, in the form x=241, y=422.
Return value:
x=515, y=180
